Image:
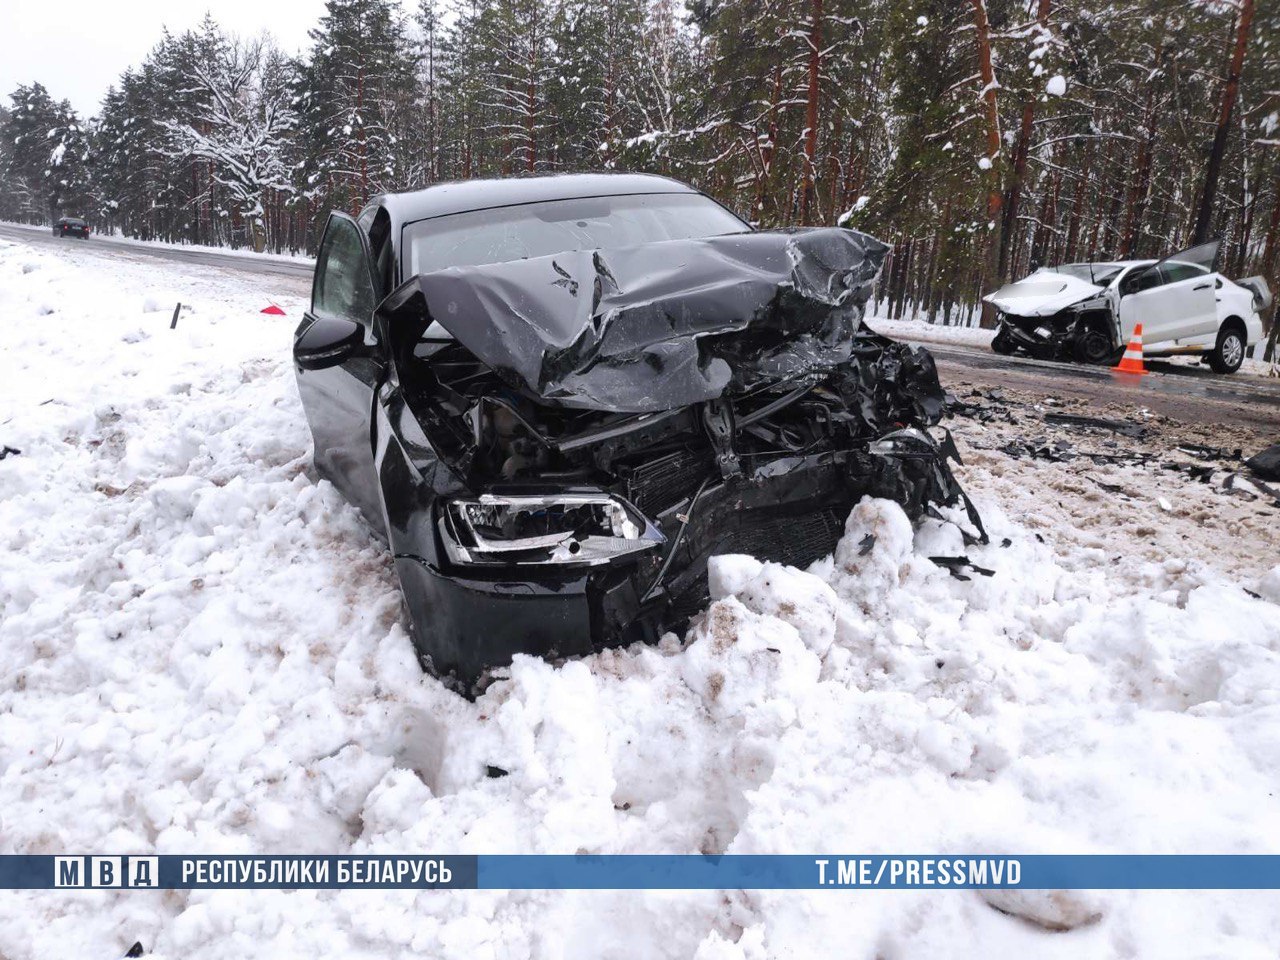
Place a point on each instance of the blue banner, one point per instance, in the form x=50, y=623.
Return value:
x=608, y=872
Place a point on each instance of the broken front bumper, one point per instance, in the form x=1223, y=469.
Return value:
x=1040, y=333
x=790, y=510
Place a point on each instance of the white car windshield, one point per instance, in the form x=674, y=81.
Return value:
x=503, y=234
x=1095, y=273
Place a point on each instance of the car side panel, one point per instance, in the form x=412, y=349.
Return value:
x=339, y=404
x=1171, y=311
x=1236, y=301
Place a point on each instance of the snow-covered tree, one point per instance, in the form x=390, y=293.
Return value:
x=44, y=158
x=241, y=127
x=356, y=97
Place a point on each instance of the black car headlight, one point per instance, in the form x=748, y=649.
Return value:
x=563, y=529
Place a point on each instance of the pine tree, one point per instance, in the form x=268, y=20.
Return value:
x=46, y=153
x=355, y=93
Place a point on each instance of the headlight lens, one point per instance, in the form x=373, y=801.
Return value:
x=565, y=529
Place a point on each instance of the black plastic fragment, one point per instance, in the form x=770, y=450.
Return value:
x=957, y=565
x=1201, y=452
x=865, y=544
x=1109, y=487
x=494, y=773
x=1122, y=427
x=134, y=951
x=8, y=451
x=1266, y=464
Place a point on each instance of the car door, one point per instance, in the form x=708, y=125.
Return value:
x=1143, y=301
x=339, y=400
x=1193, y=297
x=1173, y=299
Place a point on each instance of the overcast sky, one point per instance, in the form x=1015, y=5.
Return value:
x=78, y=48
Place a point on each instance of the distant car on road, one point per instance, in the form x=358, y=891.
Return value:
x=1087, y=311
x=71, y=227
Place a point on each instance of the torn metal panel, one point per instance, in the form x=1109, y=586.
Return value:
x=660, y=325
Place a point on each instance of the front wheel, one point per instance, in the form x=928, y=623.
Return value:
x=1093, y=346
x=1002, y=343
x=1227, y=356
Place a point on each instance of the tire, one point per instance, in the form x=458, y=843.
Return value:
x=1093, y=346
x=1002, y=343
x=1228, y=354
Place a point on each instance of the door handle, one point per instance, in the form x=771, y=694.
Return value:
x=1202, y=286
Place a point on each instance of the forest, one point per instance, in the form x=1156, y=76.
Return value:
x=978, y=137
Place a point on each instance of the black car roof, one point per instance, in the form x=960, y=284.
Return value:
x=462, y=196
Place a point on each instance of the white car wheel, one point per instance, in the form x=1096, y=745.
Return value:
x=1229, y=353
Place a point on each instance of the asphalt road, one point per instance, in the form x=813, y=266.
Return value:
x=244, y=263
x=1194, y=395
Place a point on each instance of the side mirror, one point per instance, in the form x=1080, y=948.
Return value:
x=328, y=342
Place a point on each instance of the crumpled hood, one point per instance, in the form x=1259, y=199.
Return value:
x=655, y=326
x=1041, y=294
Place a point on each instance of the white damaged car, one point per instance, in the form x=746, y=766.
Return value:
x=1087, y=311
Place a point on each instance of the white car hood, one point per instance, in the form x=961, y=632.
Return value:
x=1042, y=293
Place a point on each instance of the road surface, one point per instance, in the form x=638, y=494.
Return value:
x=1189, y=394
x=112, y=246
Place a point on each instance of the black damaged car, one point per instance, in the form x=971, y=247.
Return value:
x=556, y=397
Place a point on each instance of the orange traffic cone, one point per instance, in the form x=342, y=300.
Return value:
x=1131, y=362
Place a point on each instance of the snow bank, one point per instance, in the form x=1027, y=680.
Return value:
x=201, y=650
x=923, y=331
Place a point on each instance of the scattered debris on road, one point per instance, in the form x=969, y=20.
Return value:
x=1121, y=427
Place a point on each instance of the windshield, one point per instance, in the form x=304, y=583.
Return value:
x=502, y=234
x=1096, y=273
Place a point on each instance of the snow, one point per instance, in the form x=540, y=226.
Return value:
x=925, y=332
x=201, y=650
x=1057, y=85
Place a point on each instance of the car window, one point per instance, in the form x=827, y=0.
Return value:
x=343, y=287
x=503, y=234
x=1173, y=272
x=1141, y=278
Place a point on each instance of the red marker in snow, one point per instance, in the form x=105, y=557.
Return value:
x=273, y=310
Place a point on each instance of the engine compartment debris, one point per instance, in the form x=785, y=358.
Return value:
x=591, y=427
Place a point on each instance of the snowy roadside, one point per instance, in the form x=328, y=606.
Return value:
x=201, y=650
x=924, y=332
